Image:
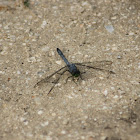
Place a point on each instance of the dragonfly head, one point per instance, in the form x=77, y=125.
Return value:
x=76, y=73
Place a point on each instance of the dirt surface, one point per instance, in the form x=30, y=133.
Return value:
x=99, y=107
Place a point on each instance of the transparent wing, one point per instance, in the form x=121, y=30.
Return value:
x=97, y=65
x=53, y=78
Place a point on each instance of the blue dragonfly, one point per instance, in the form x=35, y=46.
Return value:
x=73, y=69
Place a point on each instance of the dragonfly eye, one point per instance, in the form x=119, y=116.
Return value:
x=77, y=74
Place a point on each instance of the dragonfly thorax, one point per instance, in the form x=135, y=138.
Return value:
x=73, y=70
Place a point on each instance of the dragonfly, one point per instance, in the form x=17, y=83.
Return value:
x=73, y=69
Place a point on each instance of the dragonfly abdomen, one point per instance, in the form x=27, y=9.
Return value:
x=62, y=56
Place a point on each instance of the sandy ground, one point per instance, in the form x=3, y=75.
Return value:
x=99, y=107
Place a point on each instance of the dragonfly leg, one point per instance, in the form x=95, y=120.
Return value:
x=68, y=78
x=56, y=81
x=81, y=75
x=47, y=78
x=62, y=72
x=109, y=73
x=74, y=80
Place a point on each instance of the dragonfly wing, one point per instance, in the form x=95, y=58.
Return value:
x=53, y=78
x=98, y=65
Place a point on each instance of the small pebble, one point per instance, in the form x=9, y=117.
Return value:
x=85, y=3
x=104, y=107
x=43, y=24
x=53, y=114
x=119, y=57
x=59, y=62
x=83, y=82
x=27, y=72
x=112, y=88
x=113, y=17
x=95, y=119
x=45, y=49
x=48, y=138
x=139, y=65
x=24, y=44
x=45, y=123
x=105, y=92
x=52, y=53
x=114, y=48
x=65, y=122
x=2, y=72
x=22, y=119
x=109, y=28
x=31, y=59
x=115, y=97
x=26, y=122
x=40, y=112
x=63, y=132
x=18, y=72
x=131, y=33
x=82, y=137
x=101, y=78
